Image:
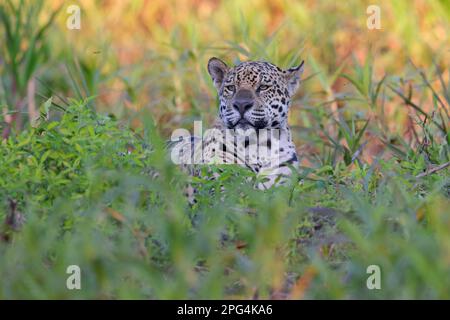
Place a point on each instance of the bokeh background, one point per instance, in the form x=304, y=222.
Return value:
x=152, y=55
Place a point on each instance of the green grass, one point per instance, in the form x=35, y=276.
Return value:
x=87, y=188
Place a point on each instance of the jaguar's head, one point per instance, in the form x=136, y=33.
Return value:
x=254, y=94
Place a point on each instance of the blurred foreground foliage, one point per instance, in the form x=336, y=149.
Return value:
x=92, y=192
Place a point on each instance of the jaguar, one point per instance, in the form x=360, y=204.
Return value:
x=251, y=128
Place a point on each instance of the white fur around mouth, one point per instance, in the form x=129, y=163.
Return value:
x=242, y=123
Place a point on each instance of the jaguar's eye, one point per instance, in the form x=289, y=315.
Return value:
x=263, y=87
x=230, y=88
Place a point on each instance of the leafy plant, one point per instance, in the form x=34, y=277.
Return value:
x=25, y=48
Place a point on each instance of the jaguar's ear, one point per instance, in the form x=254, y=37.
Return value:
x=217, y=69
x=293, y=77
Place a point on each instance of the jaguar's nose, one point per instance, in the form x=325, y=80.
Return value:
x=242, y=105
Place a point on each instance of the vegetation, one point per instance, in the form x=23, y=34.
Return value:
x=85, y=178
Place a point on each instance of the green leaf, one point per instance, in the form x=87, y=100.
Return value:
x=52, y=125
x=45, y=108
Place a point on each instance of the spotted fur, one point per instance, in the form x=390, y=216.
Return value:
x=254, y=97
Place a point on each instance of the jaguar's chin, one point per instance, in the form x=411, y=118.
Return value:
x=243, y=125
